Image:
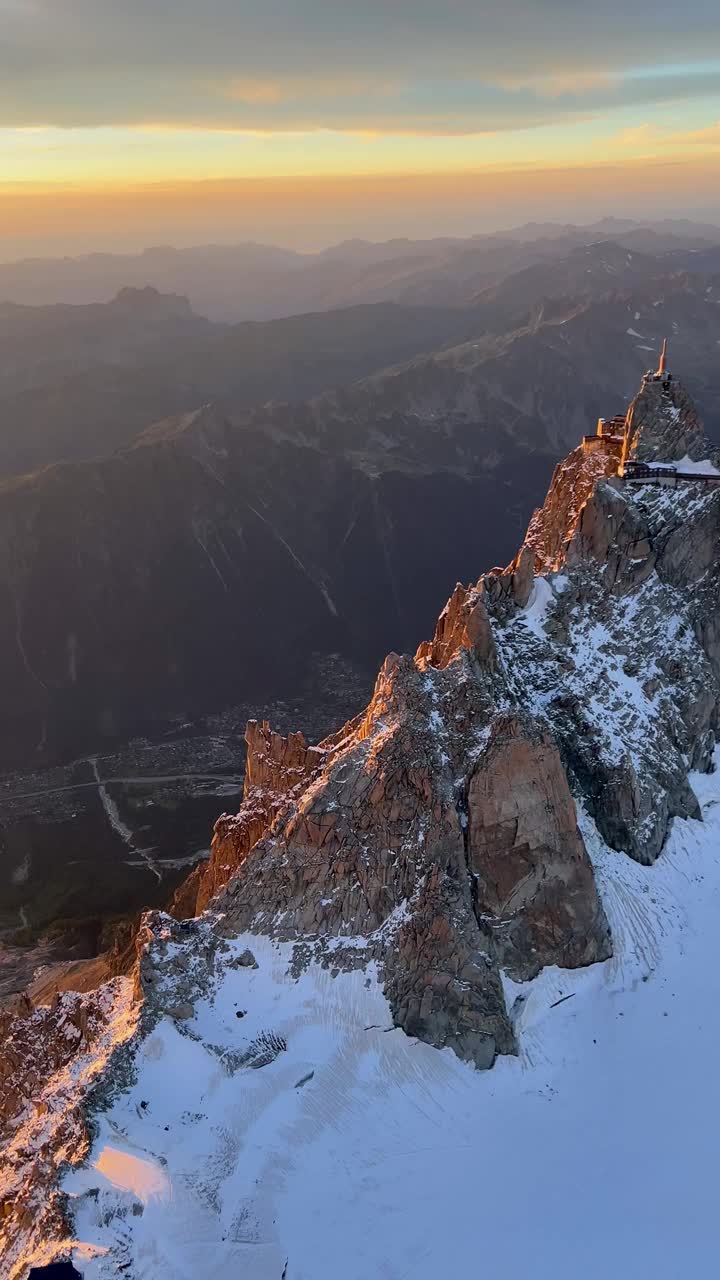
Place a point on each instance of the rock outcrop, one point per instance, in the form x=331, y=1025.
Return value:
x=533, y=880
x=275, y=767
x=663, y=423
x=573, y=482
x=387, y=844
x=50, y=1059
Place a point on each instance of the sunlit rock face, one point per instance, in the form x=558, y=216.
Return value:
x=573, y=483
x=52, y=1059
x=275, y=766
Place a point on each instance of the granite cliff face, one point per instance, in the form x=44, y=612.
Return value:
x=275, y=768
x=434, y=839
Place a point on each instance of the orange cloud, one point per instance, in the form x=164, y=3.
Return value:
x=557, y=84
x=709, y=136
x=257, y=92
x=654, y=138
x=306, y=89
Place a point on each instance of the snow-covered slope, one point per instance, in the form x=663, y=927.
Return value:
x=359, y=1152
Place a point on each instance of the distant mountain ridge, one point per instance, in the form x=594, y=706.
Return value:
x=83, y=381
x=273, y=511
x=262, y=282
x=42, y=344
x=87, y=394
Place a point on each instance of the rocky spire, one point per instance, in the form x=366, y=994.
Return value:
x=662, y=365
x=662, y=423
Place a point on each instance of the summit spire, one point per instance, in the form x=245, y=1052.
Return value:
x=662, y=366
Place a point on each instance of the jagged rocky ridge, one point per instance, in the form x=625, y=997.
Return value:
x=437, y=831
x=436, y=834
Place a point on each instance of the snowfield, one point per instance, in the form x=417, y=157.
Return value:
x=358, y=1153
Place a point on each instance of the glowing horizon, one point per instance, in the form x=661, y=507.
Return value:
x=103, y=102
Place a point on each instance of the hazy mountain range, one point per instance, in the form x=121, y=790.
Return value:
x=262, y=282
x=83, y=380
x=347, y=515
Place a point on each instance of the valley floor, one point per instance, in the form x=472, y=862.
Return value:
x=113, y=833
x=360, y=1153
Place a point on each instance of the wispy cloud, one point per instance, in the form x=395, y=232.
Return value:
x=466, y=65
x=559, y=84
x=654, y=138
x=255, y=93
x=708, y=137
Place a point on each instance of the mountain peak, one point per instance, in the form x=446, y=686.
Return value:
x=149, y=299
x=663, y=424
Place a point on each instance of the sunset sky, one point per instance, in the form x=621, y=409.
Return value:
x=301, y=121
